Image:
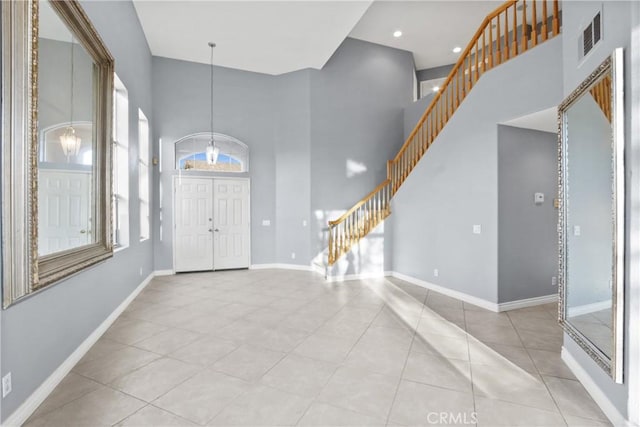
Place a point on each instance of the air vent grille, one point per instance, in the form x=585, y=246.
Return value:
x=591, y=35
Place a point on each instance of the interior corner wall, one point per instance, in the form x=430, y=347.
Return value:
x=527, y=232
x=616, y=21
x=41, y=331
x=245, y=107
x=293, y=169
x=455, y=184
x=357, y=103
x=319, y=140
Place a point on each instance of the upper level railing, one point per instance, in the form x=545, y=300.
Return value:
x=510, y=30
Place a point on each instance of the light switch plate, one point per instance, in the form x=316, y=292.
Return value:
x=266, y=222
x=577, y=231
x=538, y=198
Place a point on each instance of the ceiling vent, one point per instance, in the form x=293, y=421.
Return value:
x=591, y=35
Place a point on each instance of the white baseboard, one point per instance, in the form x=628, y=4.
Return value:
x=24, y=411
x=163, y=273
x=483, y=303
x=360, y=276
x=601, y=399
x=281, y=267
x=488, y=305
x=588, y=308
x=529, y=302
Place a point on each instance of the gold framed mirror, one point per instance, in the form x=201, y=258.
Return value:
x=57, y=79
x=592, y=215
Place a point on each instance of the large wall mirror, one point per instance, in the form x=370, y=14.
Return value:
x=591, y=155
x=57, y=88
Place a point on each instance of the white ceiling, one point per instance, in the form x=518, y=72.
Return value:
x=545, y=120
x=276, y=37
x=430, y=29
x=272, y=37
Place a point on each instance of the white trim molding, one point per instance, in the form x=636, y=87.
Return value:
x=163, y=273
x=480, y=302
x=529, y=302
x=28, y=407
x=448, y=292
x=601, y=399
x=282, y=267
x=348, y=277
x=588, y=308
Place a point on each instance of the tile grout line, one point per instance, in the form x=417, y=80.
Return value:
x=473, y=394
x=404, y=366
x=540, y=374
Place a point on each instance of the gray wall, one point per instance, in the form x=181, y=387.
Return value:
x=432, y=73
x=245, y=107
x=302, y=129
x=293, y=169
x=414, y=112
x=589, y=204
x=617, y=18
x=39, y=333
x=356, y=116
x=454, y=186
x=527, y=236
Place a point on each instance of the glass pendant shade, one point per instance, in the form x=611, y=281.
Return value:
x=212, y=153
x=70, y=142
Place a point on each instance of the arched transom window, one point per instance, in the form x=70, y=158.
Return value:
x=231, y=154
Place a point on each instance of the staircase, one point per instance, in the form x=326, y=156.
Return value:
x=510, y=30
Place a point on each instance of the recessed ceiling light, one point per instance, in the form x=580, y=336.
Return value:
x=436, y=88
x=457, y=49
x=397, y=33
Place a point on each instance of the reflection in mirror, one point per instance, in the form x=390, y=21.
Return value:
x=592, y=216
x=66, y=114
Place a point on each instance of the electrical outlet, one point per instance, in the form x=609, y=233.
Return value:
x=477, y=229
x=140, y=271
x=6, y=384
x=577, y=231
x=554, y=281
x=435, y=272
x=266, y=222
x=304, y=222
x=293, y=255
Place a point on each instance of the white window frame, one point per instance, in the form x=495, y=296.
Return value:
x=120, y=167
x=144, y=183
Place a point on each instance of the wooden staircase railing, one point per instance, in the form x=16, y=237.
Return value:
x=510, y=30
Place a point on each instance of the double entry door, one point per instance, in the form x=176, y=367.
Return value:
x=212, y=229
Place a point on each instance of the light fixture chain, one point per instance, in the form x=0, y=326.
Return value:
x=72, y=73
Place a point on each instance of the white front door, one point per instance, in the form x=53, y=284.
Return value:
x=231, y=223
x=211, y=224
x=193, y=224
x=63, y=213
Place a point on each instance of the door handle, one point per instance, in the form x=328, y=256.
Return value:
x=216, y=230
x=83, y=231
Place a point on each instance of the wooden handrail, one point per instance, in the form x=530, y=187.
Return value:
x=478, y=57
x=360, y=203
x=455, y=69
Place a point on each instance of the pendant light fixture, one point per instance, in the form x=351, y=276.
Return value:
x=212, y=151
x=69, y=141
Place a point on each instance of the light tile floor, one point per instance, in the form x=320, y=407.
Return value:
x=271, y=347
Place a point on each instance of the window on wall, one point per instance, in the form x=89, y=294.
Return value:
x=120, y=160
x=191, y=153
x=143, y=175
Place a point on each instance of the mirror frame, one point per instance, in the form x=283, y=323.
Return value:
x=24, y=271
x=614, y=365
